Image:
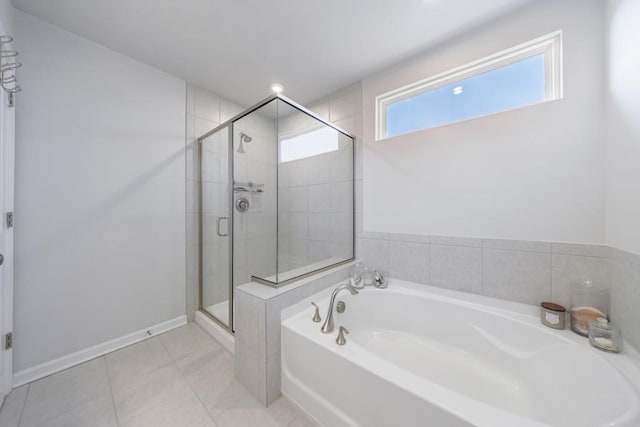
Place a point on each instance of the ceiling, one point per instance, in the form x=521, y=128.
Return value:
x=237, y=48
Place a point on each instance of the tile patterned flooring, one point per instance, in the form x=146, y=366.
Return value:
x=180, y=378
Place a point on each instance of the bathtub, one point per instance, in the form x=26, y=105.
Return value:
x=423, y=356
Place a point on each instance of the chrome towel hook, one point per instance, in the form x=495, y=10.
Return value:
x=8, y=67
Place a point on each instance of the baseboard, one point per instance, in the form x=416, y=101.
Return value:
x=45, y=369
x=216, y=331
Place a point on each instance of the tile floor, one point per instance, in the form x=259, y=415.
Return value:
x=180, y=378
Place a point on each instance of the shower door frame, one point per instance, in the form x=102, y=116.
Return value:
x=227, y=326
x=230, y=124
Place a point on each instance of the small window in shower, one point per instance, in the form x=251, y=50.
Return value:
x=517, y=77
x=309, y=144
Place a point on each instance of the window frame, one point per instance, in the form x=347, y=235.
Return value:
x=550, y=45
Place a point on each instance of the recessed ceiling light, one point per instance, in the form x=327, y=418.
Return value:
x=277, y=87
x=457, y=90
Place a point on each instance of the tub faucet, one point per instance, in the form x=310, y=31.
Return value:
x=328, y=326
x=379, y=281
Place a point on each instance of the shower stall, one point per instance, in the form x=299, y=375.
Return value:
x=276, y=195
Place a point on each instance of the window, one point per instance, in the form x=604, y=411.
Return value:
x=312, y=143
x=523, y=75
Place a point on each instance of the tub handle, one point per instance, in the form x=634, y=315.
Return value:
x=316, y=317
x=379, y=281
x=341, y=340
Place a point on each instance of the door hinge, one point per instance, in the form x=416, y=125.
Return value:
x=8, y=341
x=9, y=219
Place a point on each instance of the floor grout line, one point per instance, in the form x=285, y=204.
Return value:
x=24, y=403
x=113, y=400
x=165, y=348
x=195, y=393
x=157, y=368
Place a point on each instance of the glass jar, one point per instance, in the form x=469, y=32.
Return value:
x=357, y=273
x=605, y=335
x=588, y=302
x=367, y=276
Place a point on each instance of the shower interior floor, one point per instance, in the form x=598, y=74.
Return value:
x=220, y=311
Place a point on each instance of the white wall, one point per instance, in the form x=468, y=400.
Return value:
x=7, y=140
x=623, y=125
x=530, y=174
x=100, y=195
x=6, y=16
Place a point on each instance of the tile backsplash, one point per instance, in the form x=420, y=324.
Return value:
x=523, y=271
x=625, y=295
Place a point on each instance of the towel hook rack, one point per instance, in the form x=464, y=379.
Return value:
x=8, y=67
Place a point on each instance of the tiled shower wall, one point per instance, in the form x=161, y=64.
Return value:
x=255, y=239
x=344, y=109
x=315, y=210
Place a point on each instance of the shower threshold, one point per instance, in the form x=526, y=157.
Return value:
x=221, y=311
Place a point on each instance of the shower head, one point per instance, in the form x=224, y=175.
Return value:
x=243, y=138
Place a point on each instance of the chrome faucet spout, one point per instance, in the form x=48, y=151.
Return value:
x=328, y=325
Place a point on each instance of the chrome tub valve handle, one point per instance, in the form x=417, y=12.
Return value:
x=379, y=281
x=316, y=316
x=341, y=340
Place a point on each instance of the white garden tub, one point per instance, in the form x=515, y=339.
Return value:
x=423, y=356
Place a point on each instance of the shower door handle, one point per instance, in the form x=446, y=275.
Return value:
x=218, y=231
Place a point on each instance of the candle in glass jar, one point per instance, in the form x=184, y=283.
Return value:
x=581, y=316
x=588, y=302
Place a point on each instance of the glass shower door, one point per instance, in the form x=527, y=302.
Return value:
x=216, y=228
